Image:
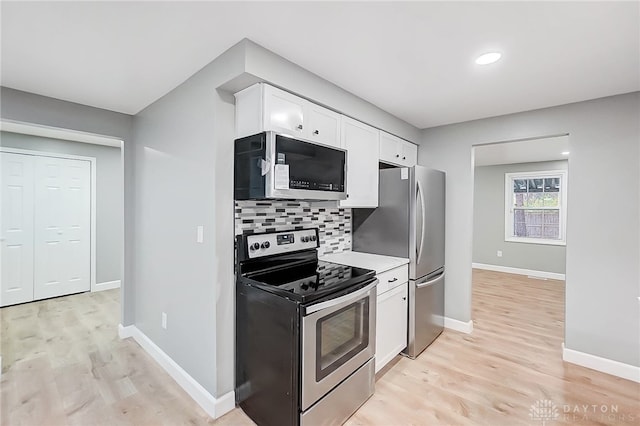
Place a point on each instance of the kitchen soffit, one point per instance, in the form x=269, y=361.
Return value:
x=412, y=59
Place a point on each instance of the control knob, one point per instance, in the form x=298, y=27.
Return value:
x=313, y=238
x=254, y=246
x=266, y=245
x=305, y=239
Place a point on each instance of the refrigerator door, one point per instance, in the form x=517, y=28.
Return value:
x=426, y=312
x=426, y=222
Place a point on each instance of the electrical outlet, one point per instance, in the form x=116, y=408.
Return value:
x=164, y=320
x=200, y=234
x=499, y=253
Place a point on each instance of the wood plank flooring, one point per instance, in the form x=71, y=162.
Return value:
x=493, y=376
x=64, y=364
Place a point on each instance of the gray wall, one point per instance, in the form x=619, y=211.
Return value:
x=109, y=217
x=488, y=222
x=602, y=268
x=27, y=107
x=184, y=178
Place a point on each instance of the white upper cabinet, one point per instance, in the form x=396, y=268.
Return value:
x=362, y=144
x=323, y=125
x=283, y=112
x=262, y=107
x=397, y=151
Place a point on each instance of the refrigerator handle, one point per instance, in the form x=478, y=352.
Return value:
x=419, y=248
x=430, y=282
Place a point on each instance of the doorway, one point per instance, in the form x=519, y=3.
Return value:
x=519, y=210
x=70, y=176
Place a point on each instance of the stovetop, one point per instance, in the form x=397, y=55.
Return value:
x=310, y=281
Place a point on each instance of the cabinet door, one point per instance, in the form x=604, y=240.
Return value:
x=391, y=324
x=362, y=145
x=283, y=112
x=389, y=148
x=409, y=154
x=323, y=125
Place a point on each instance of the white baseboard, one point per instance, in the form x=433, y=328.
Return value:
x=454, y=324
x=519, y=271
x=214, y=407
x=107, y=285
x=615, y=368
x=125, y=331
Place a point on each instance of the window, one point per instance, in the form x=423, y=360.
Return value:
x=535, y=207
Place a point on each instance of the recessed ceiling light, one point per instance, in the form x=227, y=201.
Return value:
x=488, y=58
x=565, y=152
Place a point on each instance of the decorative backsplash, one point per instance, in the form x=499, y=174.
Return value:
x=334, y=224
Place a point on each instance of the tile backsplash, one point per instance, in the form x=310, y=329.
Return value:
x=333, y=223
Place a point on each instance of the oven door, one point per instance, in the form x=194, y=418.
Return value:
x=338, y=337
x=303, y=170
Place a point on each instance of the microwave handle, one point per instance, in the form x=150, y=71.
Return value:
x=351, y=297
x=264, y=165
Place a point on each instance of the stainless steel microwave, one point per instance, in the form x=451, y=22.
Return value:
x=271, y=166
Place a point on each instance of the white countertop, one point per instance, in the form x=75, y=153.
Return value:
x=376, y=262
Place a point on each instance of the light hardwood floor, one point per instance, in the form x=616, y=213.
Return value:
x=63, y=364
x=85, y=375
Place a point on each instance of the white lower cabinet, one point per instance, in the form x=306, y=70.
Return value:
x=391, y=324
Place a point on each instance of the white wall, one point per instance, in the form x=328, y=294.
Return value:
x=489, y=217
x=603, y=244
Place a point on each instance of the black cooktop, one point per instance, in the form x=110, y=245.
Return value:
x=310, y=281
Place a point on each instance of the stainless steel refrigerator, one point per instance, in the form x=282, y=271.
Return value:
x=409, y=222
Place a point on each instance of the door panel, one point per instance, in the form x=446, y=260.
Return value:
x=16, y=228
x=409, y=154
x=389, y=148
x=429, y=311
x=62, y=227
x=426, y=313
x=362, y=144
x=284, y=112
x=391, y=325
x=324, y=126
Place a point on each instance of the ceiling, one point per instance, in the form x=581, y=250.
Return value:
x=525, y=151
x=412, y=59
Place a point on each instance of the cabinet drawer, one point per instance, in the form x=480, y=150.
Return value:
x=392, y=278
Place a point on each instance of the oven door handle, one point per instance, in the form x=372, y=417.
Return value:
x=351, y=297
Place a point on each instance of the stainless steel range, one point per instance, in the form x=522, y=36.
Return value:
x=305, y=331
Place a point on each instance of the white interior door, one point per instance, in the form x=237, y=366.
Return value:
x=16, y=228
x=62, y=227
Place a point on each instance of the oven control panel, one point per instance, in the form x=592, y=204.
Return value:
x=259, y=245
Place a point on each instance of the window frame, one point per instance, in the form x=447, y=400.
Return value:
x=508, y=208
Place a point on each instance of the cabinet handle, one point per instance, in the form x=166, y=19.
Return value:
x=404, y=158
x=317, y=132
x=404, y=298
x=393, y=280
x=299, y=126
x=347, y=195
x=397, y=155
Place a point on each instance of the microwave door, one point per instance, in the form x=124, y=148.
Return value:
x=303, y=170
